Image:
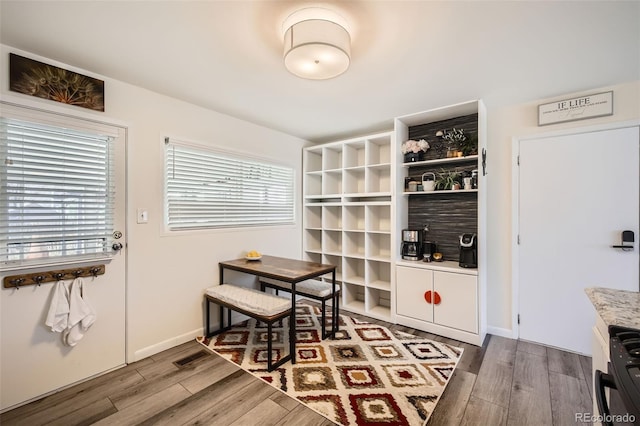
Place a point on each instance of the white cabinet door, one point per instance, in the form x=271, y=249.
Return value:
x=412, y=285
x=458, y=294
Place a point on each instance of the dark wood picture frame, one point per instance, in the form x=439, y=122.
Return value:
x=45, y=81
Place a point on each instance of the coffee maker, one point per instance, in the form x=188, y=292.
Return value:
x=412, y=244
x=468, y=251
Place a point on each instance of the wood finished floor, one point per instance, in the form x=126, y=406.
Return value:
x=505, y=382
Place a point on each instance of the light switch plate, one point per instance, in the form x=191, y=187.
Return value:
x=142, y=216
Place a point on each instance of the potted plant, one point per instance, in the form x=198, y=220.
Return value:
x=455, y=139
x=414, y=150
x=468, y=146
x=448, y=180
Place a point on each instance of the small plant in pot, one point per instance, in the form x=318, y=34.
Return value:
x=468, y=146
x=458, y=143
x=448, y=180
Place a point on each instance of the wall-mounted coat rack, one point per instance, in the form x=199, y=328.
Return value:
x=17, y=281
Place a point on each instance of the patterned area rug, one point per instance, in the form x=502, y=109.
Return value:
x=368, y=375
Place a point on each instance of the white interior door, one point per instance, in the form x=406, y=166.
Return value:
x=33, y=359
x=577, y=193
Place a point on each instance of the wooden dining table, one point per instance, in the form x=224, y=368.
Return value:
x=291, y=271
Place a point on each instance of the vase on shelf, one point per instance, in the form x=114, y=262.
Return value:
x=412, y=157
x=453, y=153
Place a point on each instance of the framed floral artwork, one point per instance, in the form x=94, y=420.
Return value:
x=57, y=84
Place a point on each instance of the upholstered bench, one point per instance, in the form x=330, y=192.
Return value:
x=253, y=303
x=313, y=289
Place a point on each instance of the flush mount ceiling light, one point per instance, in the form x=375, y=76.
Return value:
x=317, y=44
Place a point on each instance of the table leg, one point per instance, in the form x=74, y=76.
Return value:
x=221, y=273
x=269, y=345
x=208, y=326
x=335, y=319
x=292, y=325
x=323, y=318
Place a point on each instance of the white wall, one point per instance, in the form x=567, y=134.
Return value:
x=504, y=124
x=168, y=272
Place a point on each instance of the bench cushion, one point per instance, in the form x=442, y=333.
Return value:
x=312, y=287
x=250, y=300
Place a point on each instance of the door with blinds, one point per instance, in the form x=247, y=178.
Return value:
x=62, y=207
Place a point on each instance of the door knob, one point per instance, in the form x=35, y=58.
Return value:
x=628, y=238
x=117, y=246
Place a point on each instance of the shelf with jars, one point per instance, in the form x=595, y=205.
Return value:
x=436, y=181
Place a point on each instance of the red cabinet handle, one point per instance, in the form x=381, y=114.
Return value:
x=427, y=296
x=436, y=298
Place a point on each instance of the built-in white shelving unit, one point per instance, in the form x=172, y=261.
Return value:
x=355, y=207
x=441, y=297
x=349, y=219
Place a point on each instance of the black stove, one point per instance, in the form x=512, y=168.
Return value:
x=622, y=406
x=624, y=351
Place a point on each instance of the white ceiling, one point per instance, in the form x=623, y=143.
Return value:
x=406, y=56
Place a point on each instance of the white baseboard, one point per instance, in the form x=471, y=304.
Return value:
x=166, y=344
x=178, y=340
x=235, y=318
x=502, y=332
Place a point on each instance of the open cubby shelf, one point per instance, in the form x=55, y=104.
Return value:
x=347, y=217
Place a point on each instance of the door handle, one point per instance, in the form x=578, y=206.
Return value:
x=432, y=297
x=628, y=238
x=601, y=381
x=117, y=246
x=484, y=161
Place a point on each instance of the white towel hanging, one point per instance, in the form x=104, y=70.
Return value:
x=58, y=316
x=81, y=314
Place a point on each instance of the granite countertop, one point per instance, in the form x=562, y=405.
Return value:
x=616, y=307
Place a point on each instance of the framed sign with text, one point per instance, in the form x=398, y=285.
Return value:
x=590, y=106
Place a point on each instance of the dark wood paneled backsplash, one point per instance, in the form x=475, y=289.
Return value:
x=448, y=214
x=438, y=147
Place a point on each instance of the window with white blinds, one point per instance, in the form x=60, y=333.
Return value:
x=56, y=193
x=208, y=189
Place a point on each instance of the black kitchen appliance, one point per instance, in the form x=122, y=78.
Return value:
x=468, y=251
x=623, y=379
x=429, y=247
x=411, y=244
